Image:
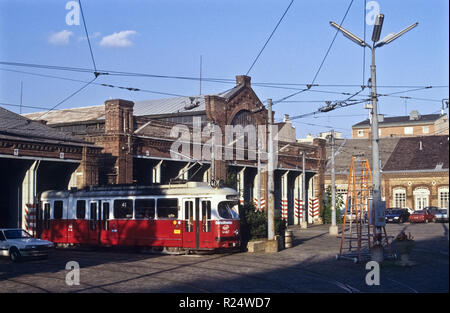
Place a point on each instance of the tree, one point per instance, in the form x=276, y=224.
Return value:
x=326, y=212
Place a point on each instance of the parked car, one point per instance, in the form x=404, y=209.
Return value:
x=422, y=216
x=441, y=215
x=432, y=210
x=397, y=215
x=17, y=243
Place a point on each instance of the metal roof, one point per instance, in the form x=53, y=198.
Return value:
x=15, y=126
x=194, y=104
x=70, y=115
x=169, y=106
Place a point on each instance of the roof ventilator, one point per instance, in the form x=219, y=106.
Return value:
x=192, y=105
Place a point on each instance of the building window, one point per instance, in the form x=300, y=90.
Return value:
x=399, y=198
x=409, y=131
x=379, y=131
x=425, y=129
x=443, y=197
x=361, y=133
x=421, y=198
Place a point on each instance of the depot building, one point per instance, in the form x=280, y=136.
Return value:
x=145, y=142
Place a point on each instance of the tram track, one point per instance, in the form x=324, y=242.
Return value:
x=285, y=285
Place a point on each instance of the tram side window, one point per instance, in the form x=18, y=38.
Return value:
x=168, y=208
x=144, y=208
x=57, y=210
x=46, y=215
x=206, y=216
x=123, y=208
x=81, y=209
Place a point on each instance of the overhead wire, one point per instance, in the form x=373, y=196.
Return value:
x=308, y=87
x=268, y=39
x=65, y=99
x=88, y=40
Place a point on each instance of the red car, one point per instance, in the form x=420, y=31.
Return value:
x=422, y=216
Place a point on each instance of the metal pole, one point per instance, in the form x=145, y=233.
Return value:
x=333, y=228
x=270, y=174
x=376, y=176
x=213, y=147
x=258, y=181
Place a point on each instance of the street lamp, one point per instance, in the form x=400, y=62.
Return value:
x=379, y=220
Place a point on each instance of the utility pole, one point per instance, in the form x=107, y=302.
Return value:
x=333, y=227
x=377, y=205
x=304, y=223
x=213, y=148
x=258, y=181
x=270, y=174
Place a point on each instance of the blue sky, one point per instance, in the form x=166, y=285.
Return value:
x=168, y=37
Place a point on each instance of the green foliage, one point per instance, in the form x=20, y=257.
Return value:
x=254, y=223
x=326, y=212
x=231, y=180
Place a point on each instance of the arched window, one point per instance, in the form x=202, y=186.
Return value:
x=399, y=199
x=443, y=197
x=243, y=118
x=421, y=198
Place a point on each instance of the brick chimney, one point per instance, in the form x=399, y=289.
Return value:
x=243, y=80
x=119, y=116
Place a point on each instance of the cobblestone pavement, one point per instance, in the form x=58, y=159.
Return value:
x=310, y=266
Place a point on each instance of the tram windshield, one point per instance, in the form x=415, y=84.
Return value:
x=225, y=210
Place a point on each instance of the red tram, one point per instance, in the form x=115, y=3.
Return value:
x=178, y=217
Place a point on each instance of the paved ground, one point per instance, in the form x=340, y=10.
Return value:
x=310, y=266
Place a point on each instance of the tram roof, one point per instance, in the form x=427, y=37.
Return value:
x=189, y=188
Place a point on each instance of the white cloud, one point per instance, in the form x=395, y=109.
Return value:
x=93, y=36
x=60, y=38
x=120, y=39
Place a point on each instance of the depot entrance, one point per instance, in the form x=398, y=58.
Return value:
x=17, y=179
x=12, y=174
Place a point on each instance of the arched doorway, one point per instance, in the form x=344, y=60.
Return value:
x=421, y=198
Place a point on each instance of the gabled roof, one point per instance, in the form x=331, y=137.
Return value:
x=346, y=148
x=400, y=121
x=16, y=127
x=419, y=153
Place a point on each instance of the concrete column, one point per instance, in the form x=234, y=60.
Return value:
x=241, y=185
x=298, y=200
x=156, y=174
x=184, y=173
x=284, y=196
x=29, y=191
x=313, y=202
x=207, y=175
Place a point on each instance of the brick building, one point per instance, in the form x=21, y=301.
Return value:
x=415, y=170
x=404, y=126
x=138, y=141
